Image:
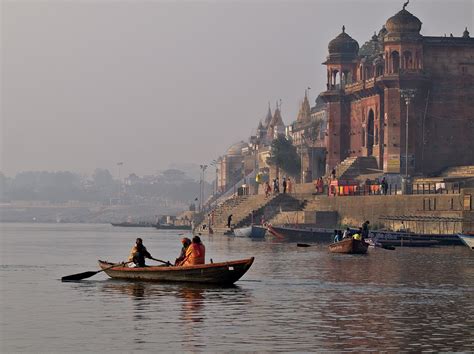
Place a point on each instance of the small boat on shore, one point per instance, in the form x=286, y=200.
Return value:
x=349, y=246
x=224, y=273
x=468, y=240
x=252, y=231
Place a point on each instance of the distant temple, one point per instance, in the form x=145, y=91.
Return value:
x=370, y=88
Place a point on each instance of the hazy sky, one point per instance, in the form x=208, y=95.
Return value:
x=87, y=84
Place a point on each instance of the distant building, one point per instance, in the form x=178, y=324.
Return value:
x=366, y=106
x=308, y=135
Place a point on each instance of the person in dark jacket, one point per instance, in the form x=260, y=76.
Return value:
x=139, y=253
x=229, y=220
x=365, y=229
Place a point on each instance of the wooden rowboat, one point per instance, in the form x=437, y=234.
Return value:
x=349, y=246
x=225, y=273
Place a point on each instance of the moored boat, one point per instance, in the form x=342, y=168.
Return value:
x=297, y=233
x=172, y=227
x=252, y=231
x=224, y=273
x=133, y=224
x=468, y=240
x=413, y=239
x=349, y=246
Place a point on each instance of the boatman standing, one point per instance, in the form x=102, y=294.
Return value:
x=139, y=253
x=365, y=229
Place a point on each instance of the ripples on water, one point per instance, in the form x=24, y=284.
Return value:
x=292, y=299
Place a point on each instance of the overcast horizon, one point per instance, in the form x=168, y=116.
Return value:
x=87, y=84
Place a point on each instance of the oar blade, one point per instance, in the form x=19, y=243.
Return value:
x=78, y=276
x=302, y=245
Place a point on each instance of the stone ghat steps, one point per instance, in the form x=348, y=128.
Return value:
x=240, y=210
x=279, y=203
x=353, y=167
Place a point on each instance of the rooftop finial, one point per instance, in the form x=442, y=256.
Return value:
x=465, y=34
x=405, y=4
x=343, y=29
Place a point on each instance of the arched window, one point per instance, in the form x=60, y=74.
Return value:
x=363, y=136
x=407, y=60
x=370, y=132
x=395, y=62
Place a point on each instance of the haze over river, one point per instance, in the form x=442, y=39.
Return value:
x=292, y=299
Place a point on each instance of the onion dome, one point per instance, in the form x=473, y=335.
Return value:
x=236, y=149
x=343, y=46
x=403, y=22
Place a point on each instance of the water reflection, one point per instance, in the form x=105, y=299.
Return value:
x=191, y=297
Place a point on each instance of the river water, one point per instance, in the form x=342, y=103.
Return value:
x=292, y=299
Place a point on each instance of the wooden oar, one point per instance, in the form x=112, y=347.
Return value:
x=302, y=245
x=159, y=260
x=85, y=275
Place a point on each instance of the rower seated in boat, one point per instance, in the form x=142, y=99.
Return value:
x=186, y=242
x=347, y=233
x=139, y=253
x=195, y=253
x=337, y=235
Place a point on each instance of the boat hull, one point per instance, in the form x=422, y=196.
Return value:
x=172, y=227
x=252, y=231
x=349, y=246
x=301, y=233
x=129, y=224
x=225, y=273
x=468, y=240
x=411, y=239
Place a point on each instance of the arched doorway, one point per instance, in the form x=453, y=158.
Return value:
x=370, y=133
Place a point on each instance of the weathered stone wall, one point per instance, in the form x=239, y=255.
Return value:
x=449, y=121
x=354, y=210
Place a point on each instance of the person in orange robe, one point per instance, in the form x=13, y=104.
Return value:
x=195, y=253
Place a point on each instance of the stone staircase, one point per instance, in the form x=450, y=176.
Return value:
x=270, y=211
x=245, y=209
x=240, y=207
x=353, y=167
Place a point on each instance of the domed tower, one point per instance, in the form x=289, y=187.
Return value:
x=403, y=43
x=404, y=83
x=342, y=60
x=341, y=64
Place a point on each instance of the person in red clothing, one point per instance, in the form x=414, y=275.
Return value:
x=195, y=253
